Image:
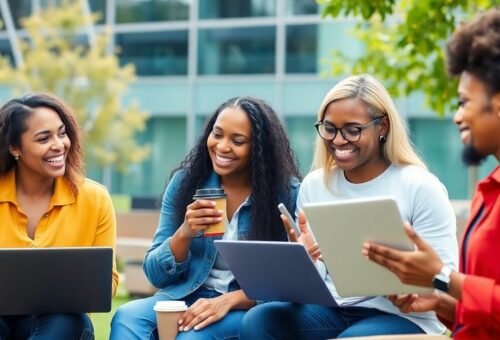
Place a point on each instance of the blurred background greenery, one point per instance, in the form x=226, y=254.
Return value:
x=178, y=60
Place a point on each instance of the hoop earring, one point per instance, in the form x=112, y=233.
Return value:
x=16, y=157
x=381, y=139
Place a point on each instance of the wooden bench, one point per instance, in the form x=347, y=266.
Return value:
x=135, y=231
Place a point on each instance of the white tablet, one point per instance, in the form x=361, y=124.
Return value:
x=341, y=228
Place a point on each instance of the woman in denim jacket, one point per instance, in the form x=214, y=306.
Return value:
x=243, y=149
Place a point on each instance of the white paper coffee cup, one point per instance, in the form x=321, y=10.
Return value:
x=168, y=314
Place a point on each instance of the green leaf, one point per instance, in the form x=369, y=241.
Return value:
x=403, y=44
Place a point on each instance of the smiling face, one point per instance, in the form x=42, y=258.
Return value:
x=361, y=160
x=230, y=142
x=44, y=145
x=478, y=116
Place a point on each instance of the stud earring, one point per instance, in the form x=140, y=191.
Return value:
x=16, y=157
x=381, y=139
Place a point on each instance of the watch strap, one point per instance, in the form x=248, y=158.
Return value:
x=442, y=279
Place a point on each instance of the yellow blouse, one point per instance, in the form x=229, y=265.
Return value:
x=82, y=220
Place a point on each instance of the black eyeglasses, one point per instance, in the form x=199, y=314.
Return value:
x=350, y=133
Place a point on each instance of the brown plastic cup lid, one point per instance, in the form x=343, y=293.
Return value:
x=209, y=193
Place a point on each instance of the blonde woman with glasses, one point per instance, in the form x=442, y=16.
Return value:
x=362, y=150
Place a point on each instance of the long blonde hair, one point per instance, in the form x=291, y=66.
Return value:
x=397, y=148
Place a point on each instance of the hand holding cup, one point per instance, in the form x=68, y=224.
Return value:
x=199, y=216
x=217, y=197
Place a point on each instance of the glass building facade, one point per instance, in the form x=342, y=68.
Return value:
x=191, y=55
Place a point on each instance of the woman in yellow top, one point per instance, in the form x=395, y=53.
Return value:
x=45, y=201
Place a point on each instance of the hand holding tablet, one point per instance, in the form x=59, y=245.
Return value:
x=342, y=227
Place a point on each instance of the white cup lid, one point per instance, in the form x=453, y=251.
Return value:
x=170, y=306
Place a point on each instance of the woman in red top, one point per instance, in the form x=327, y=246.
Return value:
x=467, y=301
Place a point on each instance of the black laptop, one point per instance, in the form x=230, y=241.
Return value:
x=55, y=280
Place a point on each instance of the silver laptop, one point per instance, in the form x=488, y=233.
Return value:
x=275, y=271
x=55, y=280
x=341, y=228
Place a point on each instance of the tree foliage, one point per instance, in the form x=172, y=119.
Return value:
x=57, y=58
x=403, y=43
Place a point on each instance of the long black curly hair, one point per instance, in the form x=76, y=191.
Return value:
x=272, y=168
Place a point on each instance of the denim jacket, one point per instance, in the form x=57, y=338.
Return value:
x=177, y=280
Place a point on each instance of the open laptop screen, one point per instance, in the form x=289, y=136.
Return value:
x=55, y=280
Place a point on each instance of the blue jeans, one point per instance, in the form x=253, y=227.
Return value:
x=46, y=327
x=282, y=320
x=137, y=320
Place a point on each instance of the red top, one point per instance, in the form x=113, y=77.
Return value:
x=478, y=313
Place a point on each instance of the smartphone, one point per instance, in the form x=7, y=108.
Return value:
x=292, y=223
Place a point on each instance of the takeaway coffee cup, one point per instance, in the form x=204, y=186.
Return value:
x=219, y=197
x=168, y=314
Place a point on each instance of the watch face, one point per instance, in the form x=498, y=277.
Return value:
x=440, y=285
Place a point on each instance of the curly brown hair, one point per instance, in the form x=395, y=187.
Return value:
x=475, y=48
x=13, y=116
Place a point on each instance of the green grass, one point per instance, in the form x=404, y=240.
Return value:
x=102, y=321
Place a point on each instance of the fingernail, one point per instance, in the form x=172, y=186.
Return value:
x=180, y=321
x=186, y=329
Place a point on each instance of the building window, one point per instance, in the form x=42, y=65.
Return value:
x=98, y=7
x=437, y=141
x=23, y=8
x=301, y=131
x=301, y=49
x=248, y=50
x=302, y=7
x=151, y=10
x=6, y=51
x=154, y=53
x=212, y=9
x=19, y=9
